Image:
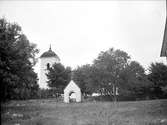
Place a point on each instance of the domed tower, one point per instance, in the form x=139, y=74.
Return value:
x=47, y=59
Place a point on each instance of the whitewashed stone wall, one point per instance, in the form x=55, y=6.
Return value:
x=43, y=69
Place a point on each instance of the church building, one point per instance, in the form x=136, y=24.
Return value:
x=47, y=59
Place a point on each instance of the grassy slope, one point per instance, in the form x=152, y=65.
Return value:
x=49, y=112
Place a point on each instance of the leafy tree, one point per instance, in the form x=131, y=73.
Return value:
x=111, y=63
x=58, y=77
x=113, y=69
x=84, y=77
x=17, y=58
x=158, y=75
x=134, y=81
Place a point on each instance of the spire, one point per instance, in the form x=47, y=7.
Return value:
x=50, y=47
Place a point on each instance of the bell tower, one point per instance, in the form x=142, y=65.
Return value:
x=47, y=59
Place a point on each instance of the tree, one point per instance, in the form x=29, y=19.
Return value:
x=84, y=76
x=158, y=75
x=134, y=81
x=111, y=70
x=111, y=63
x=17, y=58
x=58, y=77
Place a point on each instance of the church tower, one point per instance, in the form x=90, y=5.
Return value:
x=47, y=59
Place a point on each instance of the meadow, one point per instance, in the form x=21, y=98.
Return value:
x=50, y=112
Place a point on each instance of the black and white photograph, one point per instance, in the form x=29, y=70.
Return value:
x=83, y=62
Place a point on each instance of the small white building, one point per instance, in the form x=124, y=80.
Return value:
x=47, y=59
x=72, y=91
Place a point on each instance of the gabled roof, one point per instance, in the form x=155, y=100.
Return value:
x=164, y=44
x=71, y=86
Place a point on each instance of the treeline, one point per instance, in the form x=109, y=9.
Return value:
x=114, y=76
x=113, y=70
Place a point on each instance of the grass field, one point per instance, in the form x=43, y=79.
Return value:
x=50, y=112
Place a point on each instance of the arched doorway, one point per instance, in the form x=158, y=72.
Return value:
x=72, y=96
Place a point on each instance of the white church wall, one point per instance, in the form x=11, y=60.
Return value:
x=43, y=70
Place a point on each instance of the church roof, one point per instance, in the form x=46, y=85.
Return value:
x=72, y=86
x=164, y=44
x=49, y=53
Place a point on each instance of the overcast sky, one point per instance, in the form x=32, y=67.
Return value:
x=79, y=30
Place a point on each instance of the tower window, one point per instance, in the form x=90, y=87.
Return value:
x=48, y=65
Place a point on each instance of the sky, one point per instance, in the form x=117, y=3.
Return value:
x=79, y=30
